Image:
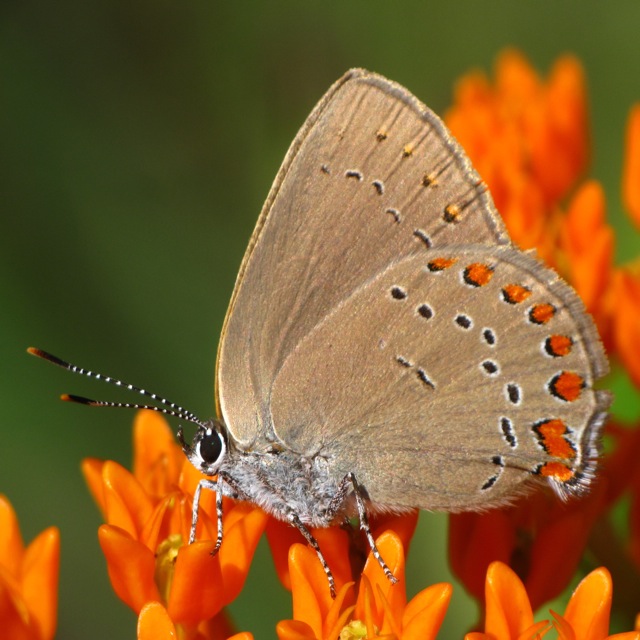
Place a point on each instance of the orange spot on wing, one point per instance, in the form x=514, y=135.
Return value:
x=542, y=313
x=556, y=470
x=567, y=386
x=552, y=435
x=515, y=293
x=440, y=264
x=478, y=274
x=557, y=345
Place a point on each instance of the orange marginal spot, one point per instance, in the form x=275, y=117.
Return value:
x=440, y=264
x=552, y=434
x=477, y=274
x=566, y=386
x=451, y=213
x=407, y=151
x=558, y=346
x=542, y=313
x=556, y=470
x=515, y=293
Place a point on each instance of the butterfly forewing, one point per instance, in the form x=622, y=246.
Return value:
x=372, y=177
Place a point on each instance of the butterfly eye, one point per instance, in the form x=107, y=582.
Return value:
x=211, y=446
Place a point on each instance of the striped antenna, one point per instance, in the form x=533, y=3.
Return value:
x=174, y=409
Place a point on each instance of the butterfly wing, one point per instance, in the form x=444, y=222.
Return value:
x=373, y=176
x=447, y=380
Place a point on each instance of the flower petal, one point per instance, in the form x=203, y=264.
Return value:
x=39, y=578
x=92, y=472
x=244, y=525
x=588, y=243
x=281, y=536
x=423, y=616
x=390, y=548
x=127, y=505
x=626, y=327
x=154, y=623
x=311, y=596
x=295, y=630
x=197, y=591
x=631, y=170
x=131, y=567
x=508, y=611
x=16, y=621
x=590, y=605
x=11, y=544
x=157, y=457
x=170, y=517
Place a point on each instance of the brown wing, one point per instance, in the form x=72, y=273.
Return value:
x=373, y=176
x=447, y=380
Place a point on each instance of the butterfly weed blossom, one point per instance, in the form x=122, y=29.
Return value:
x=28, y=580
x=528, y=139
x=509, y=614
x=370, y=608
x=148, y=519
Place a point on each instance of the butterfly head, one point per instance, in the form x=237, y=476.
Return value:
x=208, y=448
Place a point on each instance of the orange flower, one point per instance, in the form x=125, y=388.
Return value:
x=587, y=614
x=542, y=538
x=154, y=623
x=509, y=613
x=149, y=518
x=631, y=171
x=586, y=243
x=618, y=549
x=527, y=139
x=380, y=608
x=28, y=580
x=626, y=319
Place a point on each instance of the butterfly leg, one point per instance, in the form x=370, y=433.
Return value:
x=212, y=486
x=308, y=536
x=350, y=481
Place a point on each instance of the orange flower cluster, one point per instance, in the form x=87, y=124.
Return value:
x=370, y=608
x=509, y=614
x=148, y=515
x=528, y=139
x=28, y=580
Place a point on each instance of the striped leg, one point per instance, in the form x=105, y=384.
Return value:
x=358, y=492
x=212, y=486
x=308, y=536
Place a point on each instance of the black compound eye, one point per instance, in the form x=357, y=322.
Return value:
x=210, y=447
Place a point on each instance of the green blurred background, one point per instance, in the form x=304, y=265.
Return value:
x=137, y=143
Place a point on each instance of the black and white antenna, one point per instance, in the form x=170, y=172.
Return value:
x=175, y=410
